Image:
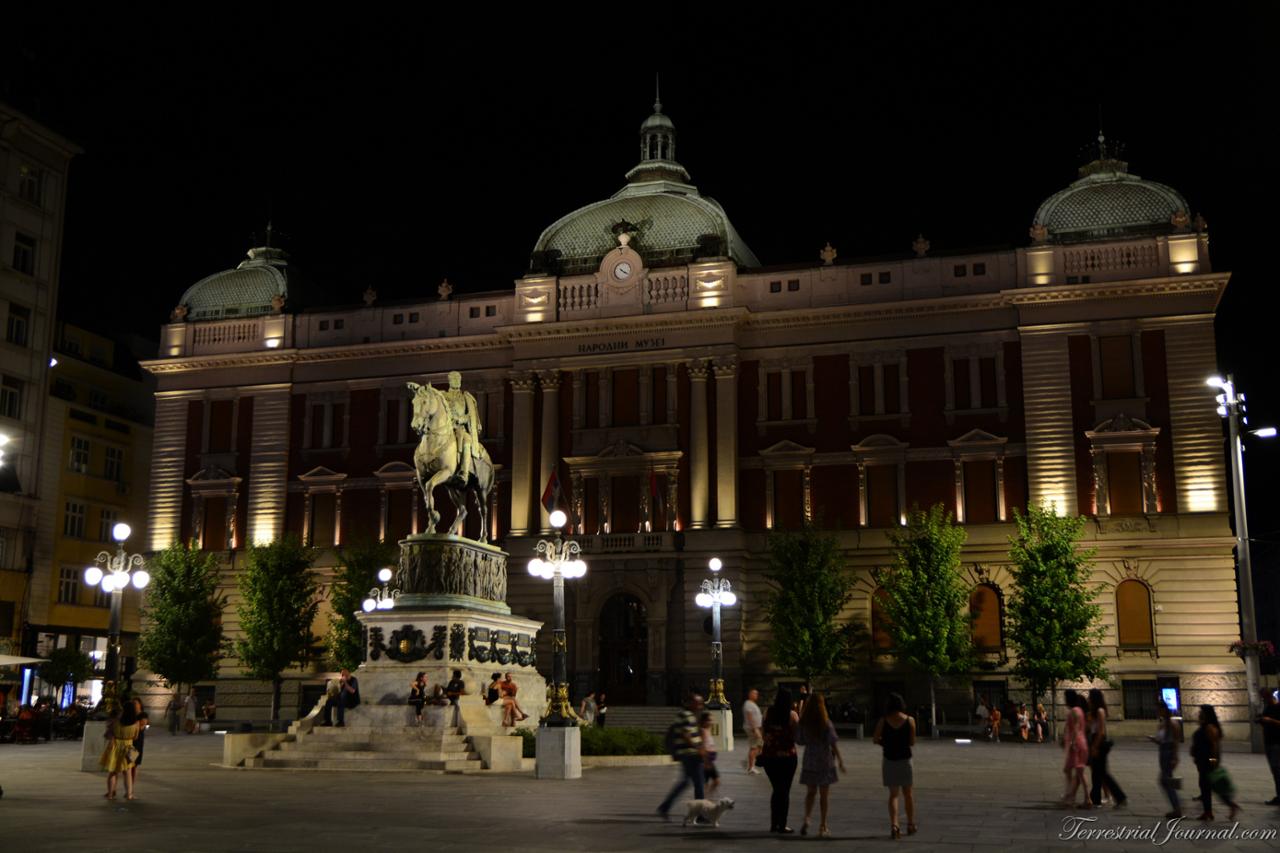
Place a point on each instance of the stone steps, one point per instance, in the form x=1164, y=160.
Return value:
x=366, y=762
x=309, y=745
x=312, y=754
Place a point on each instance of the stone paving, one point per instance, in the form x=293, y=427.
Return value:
x=975, y=797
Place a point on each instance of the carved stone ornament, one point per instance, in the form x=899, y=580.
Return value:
x=449, y=567
x=370, y=296
x=457, y=642
x=489, y=645
x=920, y=246
x=277, y=303
x=1201, y=224
x=1180, y=220
x=179, y=314
x=828, y=254
x=1038, y=232
x=445, y=289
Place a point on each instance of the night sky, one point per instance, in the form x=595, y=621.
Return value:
x=395, y=151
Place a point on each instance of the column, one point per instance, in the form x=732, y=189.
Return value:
x=699, y=470
x=550, y=456
x=726, y=371
x=606, y=397
x=768, y=498
x=1101, y=488
x=306, y=518
x=197, y=520
x=605, y=490
x=809, y=401
x=337, y=516
x=1001, y=510
x=807, y=485
x=383, y=499
x=233, y=501
x=269, y=464
x=786, y=392
x=862, y=494
x=673, y=498
x=521, y=450
x=578, y=501
x=960, y=513
x=646, y=505
x=673, y=389
x=645, y=373
x=579, y=400
x=853, y=386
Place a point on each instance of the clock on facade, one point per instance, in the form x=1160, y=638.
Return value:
x=622, y=270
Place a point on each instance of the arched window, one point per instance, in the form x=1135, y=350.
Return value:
x=1133, y=615
x=881, y=639
x=988, y=627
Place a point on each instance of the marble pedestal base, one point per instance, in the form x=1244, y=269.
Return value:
x=92, y=745
x=559, y=753
x=722, y=728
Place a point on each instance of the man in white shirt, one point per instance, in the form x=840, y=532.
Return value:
x=753, y=725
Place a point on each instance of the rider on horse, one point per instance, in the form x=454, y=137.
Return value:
x=466, y=425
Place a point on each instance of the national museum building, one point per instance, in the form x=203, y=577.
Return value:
x=690, y=400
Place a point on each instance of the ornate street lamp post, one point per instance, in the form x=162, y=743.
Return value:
x=113, y=573
x=558, y=559
x=1232, y=407
x=716, y=593
x=381, y=598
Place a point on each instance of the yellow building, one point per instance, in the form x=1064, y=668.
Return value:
x=98, y=450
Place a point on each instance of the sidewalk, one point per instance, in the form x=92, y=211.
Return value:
x=976, y=797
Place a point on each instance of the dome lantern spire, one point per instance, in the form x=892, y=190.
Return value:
x=658, y=147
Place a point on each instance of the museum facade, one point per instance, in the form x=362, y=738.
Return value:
x=689, y=401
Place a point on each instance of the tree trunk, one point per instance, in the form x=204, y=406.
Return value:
x=276, y=684
x=933, y=710
x=1053, y=711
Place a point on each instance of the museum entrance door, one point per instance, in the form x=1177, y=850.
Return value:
x=624, y=650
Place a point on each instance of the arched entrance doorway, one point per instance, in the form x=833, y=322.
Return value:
x=624, y=650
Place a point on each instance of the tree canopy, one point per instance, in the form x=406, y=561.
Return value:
x=356, y=575
x=182, y=638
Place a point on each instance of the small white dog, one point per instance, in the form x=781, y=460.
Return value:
x=707, y=810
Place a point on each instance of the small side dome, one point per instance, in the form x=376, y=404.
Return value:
x=1107, y=202
x=259, y=285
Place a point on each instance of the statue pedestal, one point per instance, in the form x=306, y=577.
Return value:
x=442, y=571
x=559, y=752
x=722, y=728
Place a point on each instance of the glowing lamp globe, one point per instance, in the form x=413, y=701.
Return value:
x=384, y=575
x=121, y=532
x=386, y=604
x=108, y=583
x=535, y=567
x=369, y=605
x=140, y=579
x=702, y=599
x=714, y=564
x=557, y=518
x=728, y=599
x=93, y=576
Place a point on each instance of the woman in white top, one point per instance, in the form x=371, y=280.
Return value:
x=588, y=710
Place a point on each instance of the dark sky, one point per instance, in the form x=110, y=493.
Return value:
x=398, y=150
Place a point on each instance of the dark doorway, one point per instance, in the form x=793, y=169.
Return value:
x=624, y=650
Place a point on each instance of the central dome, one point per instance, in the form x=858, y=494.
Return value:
x=250, y=289
x=671, y=222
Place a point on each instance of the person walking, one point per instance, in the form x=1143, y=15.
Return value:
x=1041, y=722
x=709, y=771
x=418, y=695
x=587, y=711
x=1024, y=722
x=1076, y=746
x=602, y=709
x=983, y=715
x=189, y=712
x=817, y=734
x=139, y=742
x=1270, y=722
x=685, y=746
x=1166, y=738
x=118, y=756
x=1099, y=748
x=896, y=734
x=173, y=713
x=1206, y=752
x=778, y=757
x=752, y=721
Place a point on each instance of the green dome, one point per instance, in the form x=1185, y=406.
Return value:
x=248, y=290
x=1108, y=202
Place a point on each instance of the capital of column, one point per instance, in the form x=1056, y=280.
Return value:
x=698, y=371
x=522, y=381
x=725, y=367
x=550, y=380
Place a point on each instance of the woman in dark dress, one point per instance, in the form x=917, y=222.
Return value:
x=418, y=695
x=494, y=693
x=1099, y=749
x=1206, y=752
x=778, y=756
x=896, y=734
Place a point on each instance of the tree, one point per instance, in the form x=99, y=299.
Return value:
x=279, y=604
x=1054, y=623
x=182, y=620
x=356, y=575
x=927, y=600
x=67, y=665
x=808, y=588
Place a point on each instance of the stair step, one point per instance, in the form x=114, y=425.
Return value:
x=368, y=755
x=452, y=744
x=377, y=764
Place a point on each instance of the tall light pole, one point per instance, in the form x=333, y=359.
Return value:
x=121, y=569
x=1232, y=407
x=715, y=593
x=559, y=559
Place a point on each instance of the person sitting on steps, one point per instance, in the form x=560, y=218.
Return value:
x=348, y=696
x=510, y=707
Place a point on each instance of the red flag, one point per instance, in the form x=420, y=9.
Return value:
x=551, y=494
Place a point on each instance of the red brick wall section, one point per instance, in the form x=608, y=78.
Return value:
x=195, y=428
x=1155, y=378
x=1015, y=485
x=362, y=460
x=751, y=511
x=831, y=403
x=682, y=415
x=788, y=500
x=835, y=496
x=1081, y=365
x=929, y=483
x=361, y=515
x=748, y=401
x=926, y=389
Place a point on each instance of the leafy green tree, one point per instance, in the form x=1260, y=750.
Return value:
x=356, y=575
x=808, y=588
x=67, y=665
x=279, y=604
x=181, y=637
x=1054, y=622
x=927, y=599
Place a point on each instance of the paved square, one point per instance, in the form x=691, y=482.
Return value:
x=976, y=797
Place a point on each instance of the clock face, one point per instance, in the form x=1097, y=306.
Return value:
x=622, y=271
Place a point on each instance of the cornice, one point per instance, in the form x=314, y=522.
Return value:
x=670, y=321
x=1169, y=286
x=844, y=314
x=190, y=364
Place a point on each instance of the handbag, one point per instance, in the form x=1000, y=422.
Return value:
x=1220, y=782
x=132, y=755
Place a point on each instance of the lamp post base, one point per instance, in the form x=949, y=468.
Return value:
x=722, y=728
x=559, y=753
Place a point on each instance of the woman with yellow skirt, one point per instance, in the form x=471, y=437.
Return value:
x=119, y=755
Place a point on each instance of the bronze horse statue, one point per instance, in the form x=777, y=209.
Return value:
x=437, y=462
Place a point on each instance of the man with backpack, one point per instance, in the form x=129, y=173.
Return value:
x=684, y=744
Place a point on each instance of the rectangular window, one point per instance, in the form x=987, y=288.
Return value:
x=626, y=397
x=867, y=389
x=1141, y=698
x=1124, y=483
x=97, y=399
x=491, y=310
x=11, y=397
x=799, y=398
x=960, y=381
x=76, y=414
x=474, y=312
x=865, y=278
x=391, y=422
x=318, y=413
x=68, y=585
x=221, y=424
x=882, y=495
x=960, y=270
x=1116, y=355
x=775, y=287
x=979, y=492
x=18, y=325
x=397, y=319
x=73, y=520
x=979, y=269
x=886, y=277
x=793, y=285
x=79, y=454
x=324, y=325
x=892, y=399
x=6, y=618
x=113, y=464
x=413, y=316
x=30, y=184
x=8, y=550
x=773, y=385
x=24, y=253
x=987, y=382
x=107, y=519
x=338, y=324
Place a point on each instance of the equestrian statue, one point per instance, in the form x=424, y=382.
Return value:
x=450, y=453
